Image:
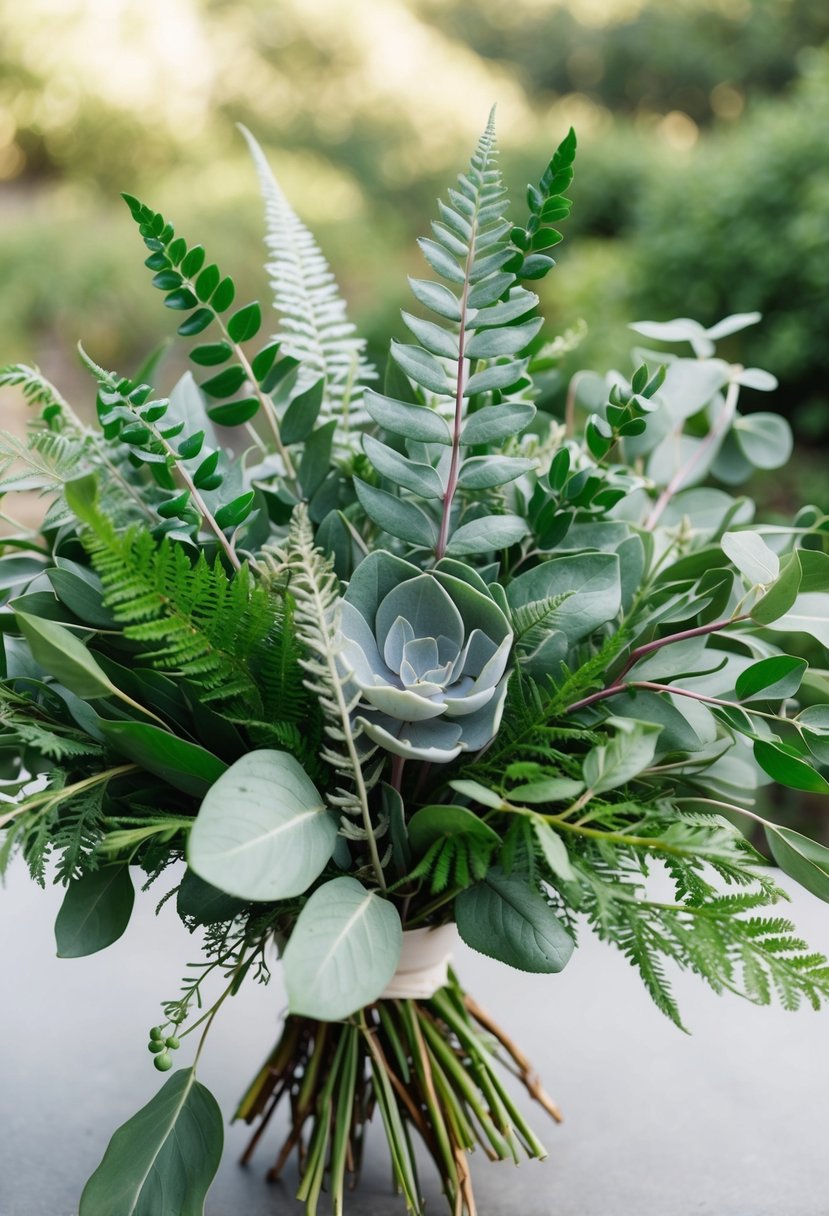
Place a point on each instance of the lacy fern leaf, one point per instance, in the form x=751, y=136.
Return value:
x=314, y=327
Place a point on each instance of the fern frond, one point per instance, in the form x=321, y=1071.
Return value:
x=315, y=589
x=43, y=462
x=37, y=390
x=314, y=327
x=532, y=622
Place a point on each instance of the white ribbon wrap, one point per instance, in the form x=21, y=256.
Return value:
x=424, y=963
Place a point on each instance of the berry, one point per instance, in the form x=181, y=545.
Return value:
x=163, y=1062
x=155, y=1046
x=173, y=1043
x=156, y=1033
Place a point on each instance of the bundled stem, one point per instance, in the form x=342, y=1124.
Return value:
x=434, y=1066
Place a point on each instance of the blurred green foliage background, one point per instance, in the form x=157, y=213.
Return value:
x=702, y=183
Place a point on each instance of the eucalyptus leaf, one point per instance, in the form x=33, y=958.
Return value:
x=804, y=860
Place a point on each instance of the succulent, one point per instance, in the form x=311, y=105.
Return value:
x=428, y=653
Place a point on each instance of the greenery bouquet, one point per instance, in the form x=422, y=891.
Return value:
x=383, y=666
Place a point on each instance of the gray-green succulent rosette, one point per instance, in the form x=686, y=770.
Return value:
x=428, y=653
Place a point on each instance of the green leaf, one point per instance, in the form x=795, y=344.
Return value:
x=182, y=764
x=207, y=282
x=211, y=354
x=441, y=261
x=503, y=918
x=500, y=376
x=809, y=614
x=412, y=475
x=195, y=323
x=771, y=679
x=80, y=590
x=497, y=422
x=782, y=595
x=264, y=361
x=223, y=296
x=226, y=383
x=804, y=860
x=421, y=367
x=234, y=413
x=162, y=1161
x=203, y=903
x=181, y=299
x=193, y=261
x=548, y=789
x=483, y=472
x=246, y=323
x=343, y=951
x=316, y=458
x=591, y=583
x=396, y=516
x=56, y=649
x=491, y=343
x=631, y=750
x=263, y=831
x=788, y=768
x=487, y=534
x=431, y=336
x=437, y=297
x=236, y=511
x=478, y=793
x=302, y=413
x=410, y=421
x=554, y=850
x=752, y=556
x=433, y=823
x=764, y=439
x=95, y=911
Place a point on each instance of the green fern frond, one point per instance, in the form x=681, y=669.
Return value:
x=532, y=622
x=37, y=390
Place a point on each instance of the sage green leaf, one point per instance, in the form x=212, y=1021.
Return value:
x=96, y=910
x=788, y=767
x=496, y=422
x=782, y=595
x=421, y=367
x=182, y=764
x=412, y=475
x=263, y=831
x=503, y=918
x=814, y=723
x=511, y=340
x=764, y=439
x=410, y=421
x=503, y=311
x=809, y=614
x=632, y=748
x=804, y=860
x=433, y=823
x=548, y=789
x=56, y=649
x=316, y=457
x=483, y=472
x=487, y=534
x=771, y=679
x=396, y=516
x=554, y=850
x=500, y=375
x=690, y=384
x=343, y=951
x=432, y=337
x=302, y=413
x=478, y=793
x=437, y=297
x=591, y=583
x=488, y=290
x=441, y=261
x=752, y=556
x=162, y=1161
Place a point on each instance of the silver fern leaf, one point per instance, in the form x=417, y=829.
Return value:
x=314, y=327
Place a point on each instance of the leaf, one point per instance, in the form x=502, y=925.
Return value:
x=203, y=903
x=302, y=413
x=788, y=768
x=591, y=583
x=263, y=831
x=211, y=354
x=804, y=860
x=184, y=765
x=162, y=1161
x=782, y=595
x=421, y=367
x=809, y=614
x=548, y=789
x=95, y=911
x=554, y=850
x=500, y=376
x=752, y=556
x=246, y=323
x=343, y=951
x=234, y=413
x=503, y=918
x=226, y=383
x=316, y=457
x=433, y=823
x=497, y=422
x=511, y=340
x=56, y=649
x=236, y=511
x=764, y=439
x=410, y=421
x=396, y=516
x=223, y=296
x=483, y=472
x=771, y=679
x=437, y=297
x=432, y=337
x=412, y=475
x=487, y=534
x=478, y=793
x=631, y=750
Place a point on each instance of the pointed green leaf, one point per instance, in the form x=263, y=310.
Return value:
x=491, y=343
x=162, y=1161
x=182, y=764
x=500, y=375
x=415, y=422
x=437, y=297
x=396, y=516
x=435, y=339
x=442, y=263
x=246, y=323
x=226, y=383
x=771, y=679
x=486, y=535
x=804, y=860
x=494, y=423
x=504, y=918
x=632, y=748
x=234, y=413
x=752, y=556
x=236, y=511
x=95, y=911
x=211, y=354
x=412, y=475
x=781, y=596
x=56, y=649
x=422, y=367
x=302, y=413
x=788, y=768
x=554, y=850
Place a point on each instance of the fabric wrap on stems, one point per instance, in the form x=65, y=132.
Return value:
x=424, y=964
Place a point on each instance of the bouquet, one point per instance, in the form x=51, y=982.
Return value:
x=383, y=664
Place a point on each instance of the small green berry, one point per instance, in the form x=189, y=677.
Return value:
x=156, y=1033
x=173, y=1043
x=163, y=1062
x=155, y=1046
